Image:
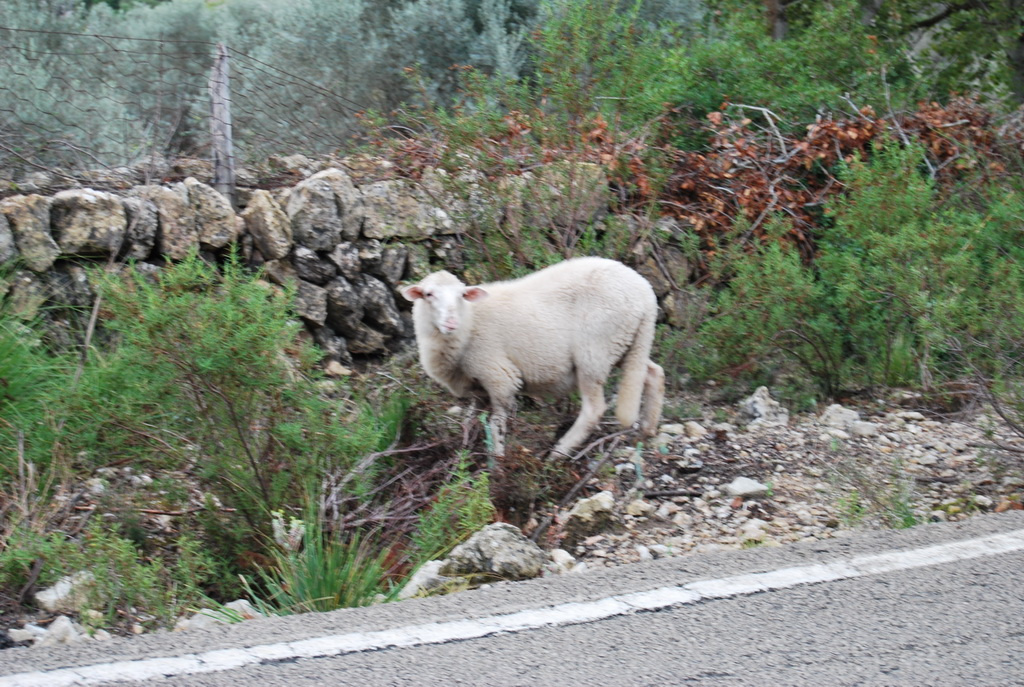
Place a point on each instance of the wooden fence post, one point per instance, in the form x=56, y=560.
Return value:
x=220, y=126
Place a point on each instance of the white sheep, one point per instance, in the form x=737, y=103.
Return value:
x=561, y=328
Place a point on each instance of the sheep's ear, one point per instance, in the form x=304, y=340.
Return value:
x=412, y=292
x=474, y=293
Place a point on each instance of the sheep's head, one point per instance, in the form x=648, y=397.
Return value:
x=447, y=299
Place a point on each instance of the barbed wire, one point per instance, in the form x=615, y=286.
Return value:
x=108, y=110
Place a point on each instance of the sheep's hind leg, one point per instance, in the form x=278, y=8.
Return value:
x=593, y=407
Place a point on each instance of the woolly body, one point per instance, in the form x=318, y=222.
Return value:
x=561, y=328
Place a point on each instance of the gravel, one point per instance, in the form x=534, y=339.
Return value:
x=707, y=485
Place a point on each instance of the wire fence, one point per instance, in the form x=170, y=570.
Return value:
x=95, y=108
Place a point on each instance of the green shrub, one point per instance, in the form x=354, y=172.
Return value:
x=903, y=275
x=128, y=587
x=25, y=550
x=209, y=372
x=29, y=377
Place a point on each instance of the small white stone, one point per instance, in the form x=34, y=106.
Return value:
x=563, y=559
x=860, y=428
x=682, y=519
x=763, y=410
x=141, y=480
x=25, y=634
x=672, y=429
x=336, y=369
x=838, y=416
x=666, y=510
x=601, y=502
x=640, y=508
x=694, y=430
x=744, y=486
x=68, y=595
x=982, y=501
x=60, y=631
x=752, y=530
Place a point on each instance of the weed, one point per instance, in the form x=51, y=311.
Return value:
x=324, y=575
x=462, y=507
x=852, y=510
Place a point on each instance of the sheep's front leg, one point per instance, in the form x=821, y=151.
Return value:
x=593, y=407
x=501, y=408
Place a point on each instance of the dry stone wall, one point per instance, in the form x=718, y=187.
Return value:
x=345, y=247
x=345, y=236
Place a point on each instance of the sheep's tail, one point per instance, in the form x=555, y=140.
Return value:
x=642, y=381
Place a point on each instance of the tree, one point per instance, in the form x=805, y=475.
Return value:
x=962, y=45
x=971, y=44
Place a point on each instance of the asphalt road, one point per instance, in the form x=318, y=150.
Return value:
x=936, y=605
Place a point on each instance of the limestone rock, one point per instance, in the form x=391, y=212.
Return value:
x=335, y=348
x=68, y=595
x=25, y=295
x=87, y=222
x=499, y=549
x=371, y=253
x=344, y=306
x=177, y=236
x=311, y=302
x=744, y=486
x=214, y=217
x=268, y=224
x=365, y=340
x=379, y=305
x=395, y=208
x=763, y=410
x=562, y=560
x=192, y=167
x=839, y=417
x=60, y=631
x=280, y=272
x=346, y=256
x=753, y=530
x=588, y=517
x=29, y=220
x=324, y=209
x=694, y=430
x=232, y=612
x=143, y=224
x=426, y=579
x=311, y=267
x=7, y=248
x=640, y=508
x=392, y=264
x=68, y=285
x=860, y=428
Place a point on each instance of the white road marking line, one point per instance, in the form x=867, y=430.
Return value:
x=548, y=616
